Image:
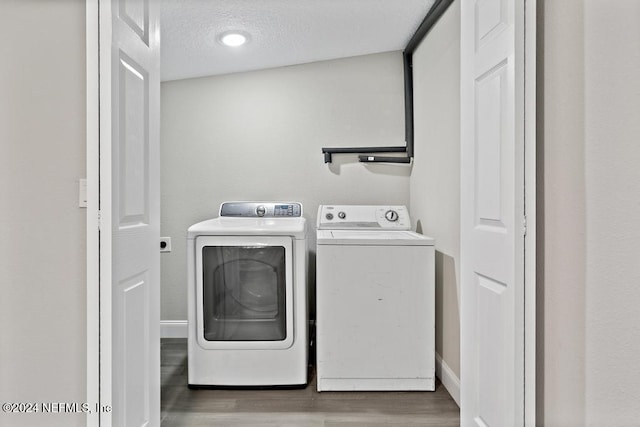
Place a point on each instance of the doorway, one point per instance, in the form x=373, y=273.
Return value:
x=94, y=266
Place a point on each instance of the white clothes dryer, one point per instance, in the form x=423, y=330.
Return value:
x=375, y=326
x=247, y=297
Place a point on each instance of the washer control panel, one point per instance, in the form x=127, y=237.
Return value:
x=353, y=217
x=261, y=209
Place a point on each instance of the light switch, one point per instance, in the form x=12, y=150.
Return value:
x=82, y=193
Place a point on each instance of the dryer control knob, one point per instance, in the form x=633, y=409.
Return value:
x=391, y=215
x=329, y=216
x=342, y=215
x=261, y=210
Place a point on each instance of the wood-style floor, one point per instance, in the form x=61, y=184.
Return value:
x=296, y=408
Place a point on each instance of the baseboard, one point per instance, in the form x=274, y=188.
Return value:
x=449, y=379
x=173, y=329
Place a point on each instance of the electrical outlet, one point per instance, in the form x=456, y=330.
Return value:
x=165, y=244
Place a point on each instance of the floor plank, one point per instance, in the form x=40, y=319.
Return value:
x=300, y=408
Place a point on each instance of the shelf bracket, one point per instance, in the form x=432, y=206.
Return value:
x=329, y=151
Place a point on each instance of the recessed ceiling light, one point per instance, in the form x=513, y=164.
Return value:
x=233, y=38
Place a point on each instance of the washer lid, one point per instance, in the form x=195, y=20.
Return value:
x=373, y=238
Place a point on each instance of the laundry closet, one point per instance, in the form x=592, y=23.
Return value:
x=257, y=135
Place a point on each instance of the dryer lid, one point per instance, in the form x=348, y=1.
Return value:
x=294, y=227
x=254, y=219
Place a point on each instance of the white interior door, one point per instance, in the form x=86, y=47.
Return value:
x=492, y=213
x=130, y=212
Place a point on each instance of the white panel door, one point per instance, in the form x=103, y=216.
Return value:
x=130, y=212
x=492, y=213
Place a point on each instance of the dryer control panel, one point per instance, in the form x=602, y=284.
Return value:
x=261, y=209
x=365, y=217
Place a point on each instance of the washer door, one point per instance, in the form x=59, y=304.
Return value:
x=244, y=292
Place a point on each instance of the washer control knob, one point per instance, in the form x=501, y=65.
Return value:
x=261, y=210
x=329, y=216
x=342, y=215
x=391, y=215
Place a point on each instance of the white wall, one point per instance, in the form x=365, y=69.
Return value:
x=591, y=195
x=435, y=180
x=561, y=298
x=612, y=200
x=258, y=136
x=42, y=230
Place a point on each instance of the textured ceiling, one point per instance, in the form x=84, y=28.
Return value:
x=283, y=32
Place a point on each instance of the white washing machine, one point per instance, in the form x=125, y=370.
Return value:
x=247, y=291
x=375, y=327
